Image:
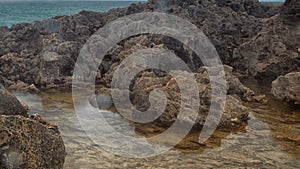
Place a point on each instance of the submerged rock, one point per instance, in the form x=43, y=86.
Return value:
x=103, y=99
x=287, y=88
x=28, y=143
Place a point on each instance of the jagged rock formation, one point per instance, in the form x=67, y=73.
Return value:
x=275, y=50
x=145, y=82
x=287, y=87
x=234, y=110
x=249, y=36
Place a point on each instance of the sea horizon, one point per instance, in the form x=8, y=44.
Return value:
x=13, y=12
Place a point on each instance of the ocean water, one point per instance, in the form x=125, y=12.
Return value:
x=25, y=11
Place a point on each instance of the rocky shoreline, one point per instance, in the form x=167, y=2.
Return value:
x=252, y=39
x=255, y=39
x=27, y=142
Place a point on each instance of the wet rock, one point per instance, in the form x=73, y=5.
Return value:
x=235, y=113
x=29, y=143
x=23, y=87
x=9, y=104
x=287, y=88
x=32, y=88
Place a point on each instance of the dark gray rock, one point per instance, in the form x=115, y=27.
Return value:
x=47, y=26
x=274, y=51
x=9, y=104
x=290, y=12
x=55, y=67
x=70, y=48
x=23, y=39
x=2, y=49
x=254, y=7
x=3, y=31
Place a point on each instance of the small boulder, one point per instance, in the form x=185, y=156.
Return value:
x=287, y=87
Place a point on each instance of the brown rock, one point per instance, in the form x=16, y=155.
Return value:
x=27, y=143
x=146, y=82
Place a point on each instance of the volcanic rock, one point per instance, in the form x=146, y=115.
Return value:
x=28, y=143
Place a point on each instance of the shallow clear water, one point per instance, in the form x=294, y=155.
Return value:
x=270, y=139
x=12, y=12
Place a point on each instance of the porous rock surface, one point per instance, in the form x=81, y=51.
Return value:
x=287, y=87
x=255, y=39
x=27, y=142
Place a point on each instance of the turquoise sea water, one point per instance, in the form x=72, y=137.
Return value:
x=24, y=11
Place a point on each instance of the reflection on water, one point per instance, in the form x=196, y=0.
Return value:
x=271, y=139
